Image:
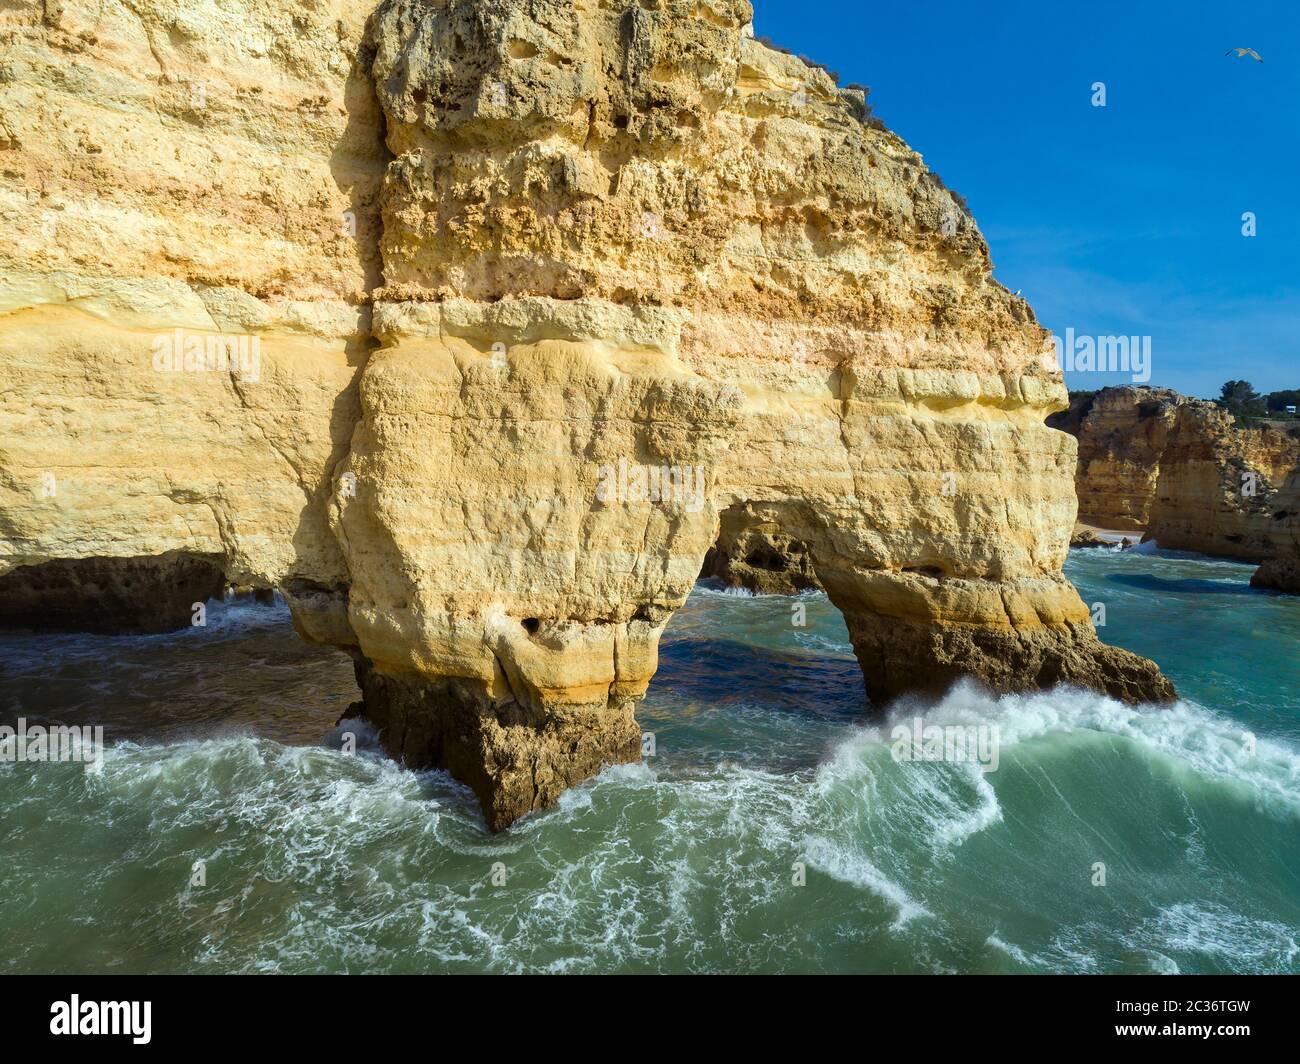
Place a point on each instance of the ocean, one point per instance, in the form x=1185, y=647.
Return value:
x=773, y=830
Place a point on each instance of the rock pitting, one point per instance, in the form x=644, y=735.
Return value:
x=545, y=294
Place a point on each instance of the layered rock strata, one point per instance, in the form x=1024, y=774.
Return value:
x=1219, y=487
x=545, y=294
x=1182, y=472
x=1122, y=433
x=183, y=304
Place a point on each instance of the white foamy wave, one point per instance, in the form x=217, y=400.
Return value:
x=1149, y=547
x=1013, y=951
x=710, y=587
x=836, y=861
x=1238, y=942
x=957, y=827
x=717, y=589
x=946, y=803
x=1062, y=954
x=1210, y=745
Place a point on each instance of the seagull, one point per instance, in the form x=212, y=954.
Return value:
x=1244, y=52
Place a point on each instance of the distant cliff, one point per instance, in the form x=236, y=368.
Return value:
x=1122, y=433
x=1182, y=472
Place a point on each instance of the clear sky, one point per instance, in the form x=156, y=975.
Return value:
x=1116, y=220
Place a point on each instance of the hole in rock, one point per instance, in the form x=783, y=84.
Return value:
x=932, y=571
x=767, y=558
x=531, y=624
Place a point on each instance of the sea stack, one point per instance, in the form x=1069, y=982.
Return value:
x=490, y=252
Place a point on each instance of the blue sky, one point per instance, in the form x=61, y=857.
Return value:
x=1116, y=220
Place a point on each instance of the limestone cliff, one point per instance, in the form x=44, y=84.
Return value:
x=1182, y=472
x=1122, y=433
x=543, y=295
x=171, y=175
x=1218, y=490
x=1281, y=569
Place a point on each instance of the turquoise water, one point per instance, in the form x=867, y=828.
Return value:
x=317, y=861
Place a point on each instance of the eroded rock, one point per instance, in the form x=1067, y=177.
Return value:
x=632, y=271
x=1182, y=472
x=1122, y=434
x=110, y=594
x=753, y=552
x=1219, y=487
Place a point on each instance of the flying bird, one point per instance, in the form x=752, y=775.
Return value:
x=1243, y=52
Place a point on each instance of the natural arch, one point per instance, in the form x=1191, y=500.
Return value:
x=681, y=250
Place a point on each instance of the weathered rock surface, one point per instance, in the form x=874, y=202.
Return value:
x=182, y=167
x=621, y=277
x=1122, y=433
x=753, y=552
x=155, y=594
x=1183, y=473
x=1086, y=537
x=1218, y=490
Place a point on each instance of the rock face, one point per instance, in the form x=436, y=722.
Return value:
x=1282, y=571
x=110, y=594
x=620, y=278
x=754, y=553
x=1122, y=433
x=1087, y=538
x=173, y=186
x=1182, y=472
x=1218, y=487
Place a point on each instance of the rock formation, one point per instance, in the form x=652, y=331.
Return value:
x=542, y=294
x=1122, y=433
x=1280, y=571
x=1183, y=473
x=754, y=553
x=1084, y=537
x=1218, y=486
x=110, y=595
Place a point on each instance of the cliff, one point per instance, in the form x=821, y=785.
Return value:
x=1218, y=490
x=541, y=297
x=1281, y=569
x=1122, y=433
x=1183, y=473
